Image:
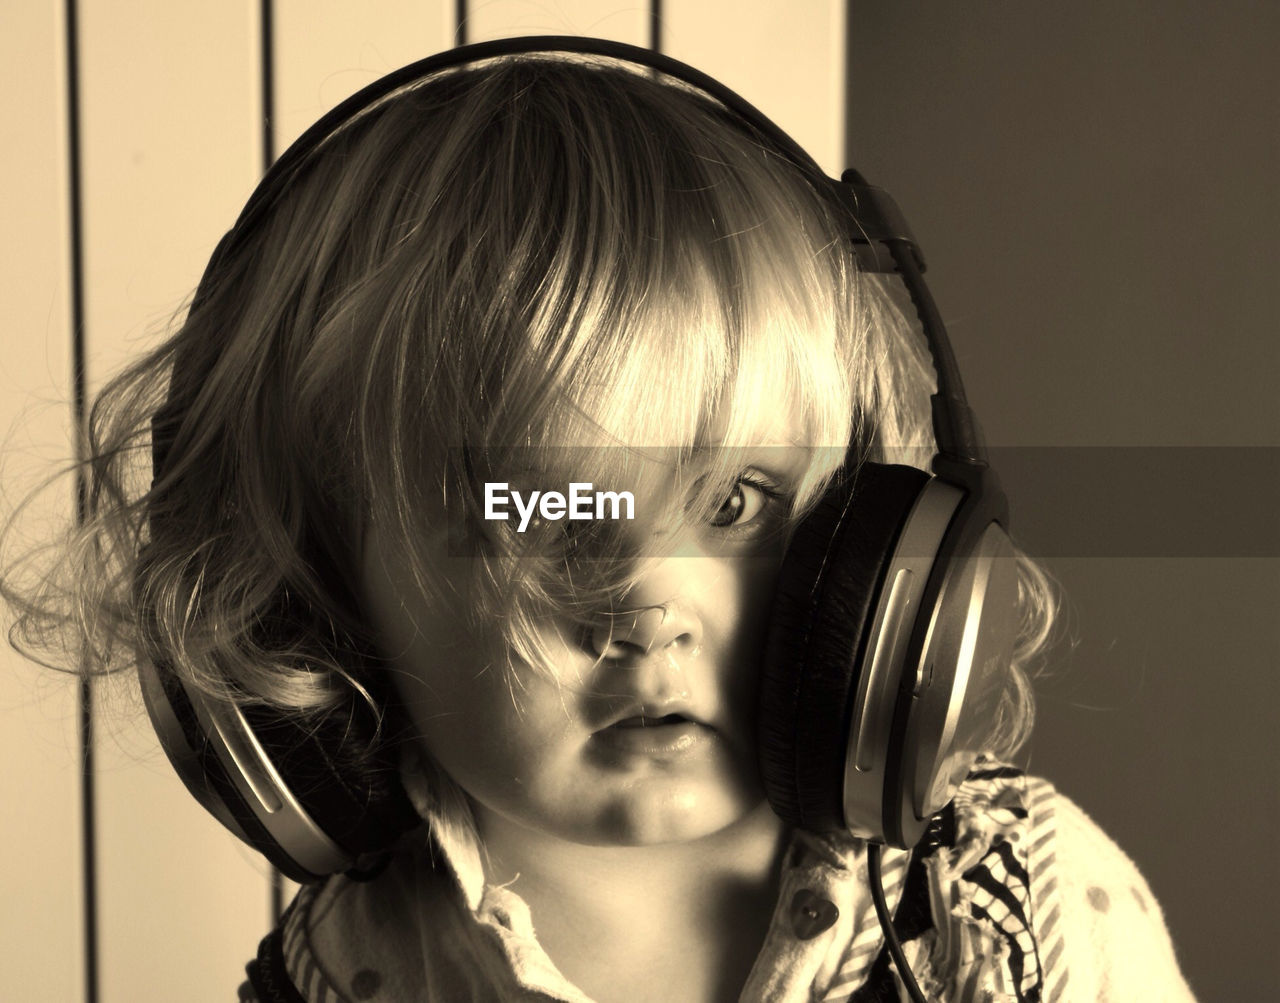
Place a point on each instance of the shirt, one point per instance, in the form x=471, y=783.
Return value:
x=1013, y=895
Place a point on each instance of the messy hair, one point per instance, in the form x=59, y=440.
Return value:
x=528, y=251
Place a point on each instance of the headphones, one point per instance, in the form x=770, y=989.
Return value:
x=891, y=631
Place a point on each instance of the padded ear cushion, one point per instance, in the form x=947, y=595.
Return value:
x=826, y=599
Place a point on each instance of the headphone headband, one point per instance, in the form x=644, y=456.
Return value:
x=881, y=238
x=365, y=99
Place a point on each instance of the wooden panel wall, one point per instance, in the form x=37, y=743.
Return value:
x=40, y=819
x=41, y=897
x=169, y=148
x=172, y=100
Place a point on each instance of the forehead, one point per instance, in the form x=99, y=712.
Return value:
x=698, y=405
x=767, y=378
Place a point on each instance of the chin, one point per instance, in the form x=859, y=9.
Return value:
x=649, y=817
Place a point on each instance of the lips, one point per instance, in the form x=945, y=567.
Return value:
x=652, y=735
x=643, y=721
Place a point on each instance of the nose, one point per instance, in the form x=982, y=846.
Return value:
x=638, y=632
x=659, y=613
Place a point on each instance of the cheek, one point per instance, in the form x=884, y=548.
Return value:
x=746, y=598
x=454, y=685
x=488, y=728
x=507, y=737
x=735, y=628
x=476, y=734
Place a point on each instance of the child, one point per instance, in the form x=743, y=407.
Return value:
x=475, y=464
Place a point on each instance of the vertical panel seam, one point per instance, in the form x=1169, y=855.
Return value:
x=847, y=97
x=267, y=67
x=460, y=22
x=84, y=694
x=267, y=31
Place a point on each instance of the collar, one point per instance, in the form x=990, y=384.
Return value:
x=430, y=927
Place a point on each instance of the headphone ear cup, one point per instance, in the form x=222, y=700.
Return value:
x=312, y=796
x=828, y=591
x=343, y=770
x=192, y=755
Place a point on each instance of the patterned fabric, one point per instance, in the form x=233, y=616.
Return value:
x=270, y=978
x=974, y=905
x=965, y=919
x=861, y=954
x=1046, y=910
x=986, y=870
x=285, y=970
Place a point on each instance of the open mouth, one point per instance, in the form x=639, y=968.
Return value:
x=641, y=721
x=645, y=736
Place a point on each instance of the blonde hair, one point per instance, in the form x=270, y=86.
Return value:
x=497, y=257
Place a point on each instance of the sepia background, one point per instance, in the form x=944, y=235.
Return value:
x=1094, y=187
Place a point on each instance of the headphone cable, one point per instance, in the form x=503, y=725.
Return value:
x=886, y=924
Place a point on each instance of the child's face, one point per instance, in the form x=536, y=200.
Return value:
x=655, y=742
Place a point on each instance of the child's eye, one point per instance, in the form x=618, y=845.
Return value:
x=747, y=500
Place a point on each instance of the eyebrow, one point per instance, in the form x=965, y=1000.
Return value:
x=797, y=455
